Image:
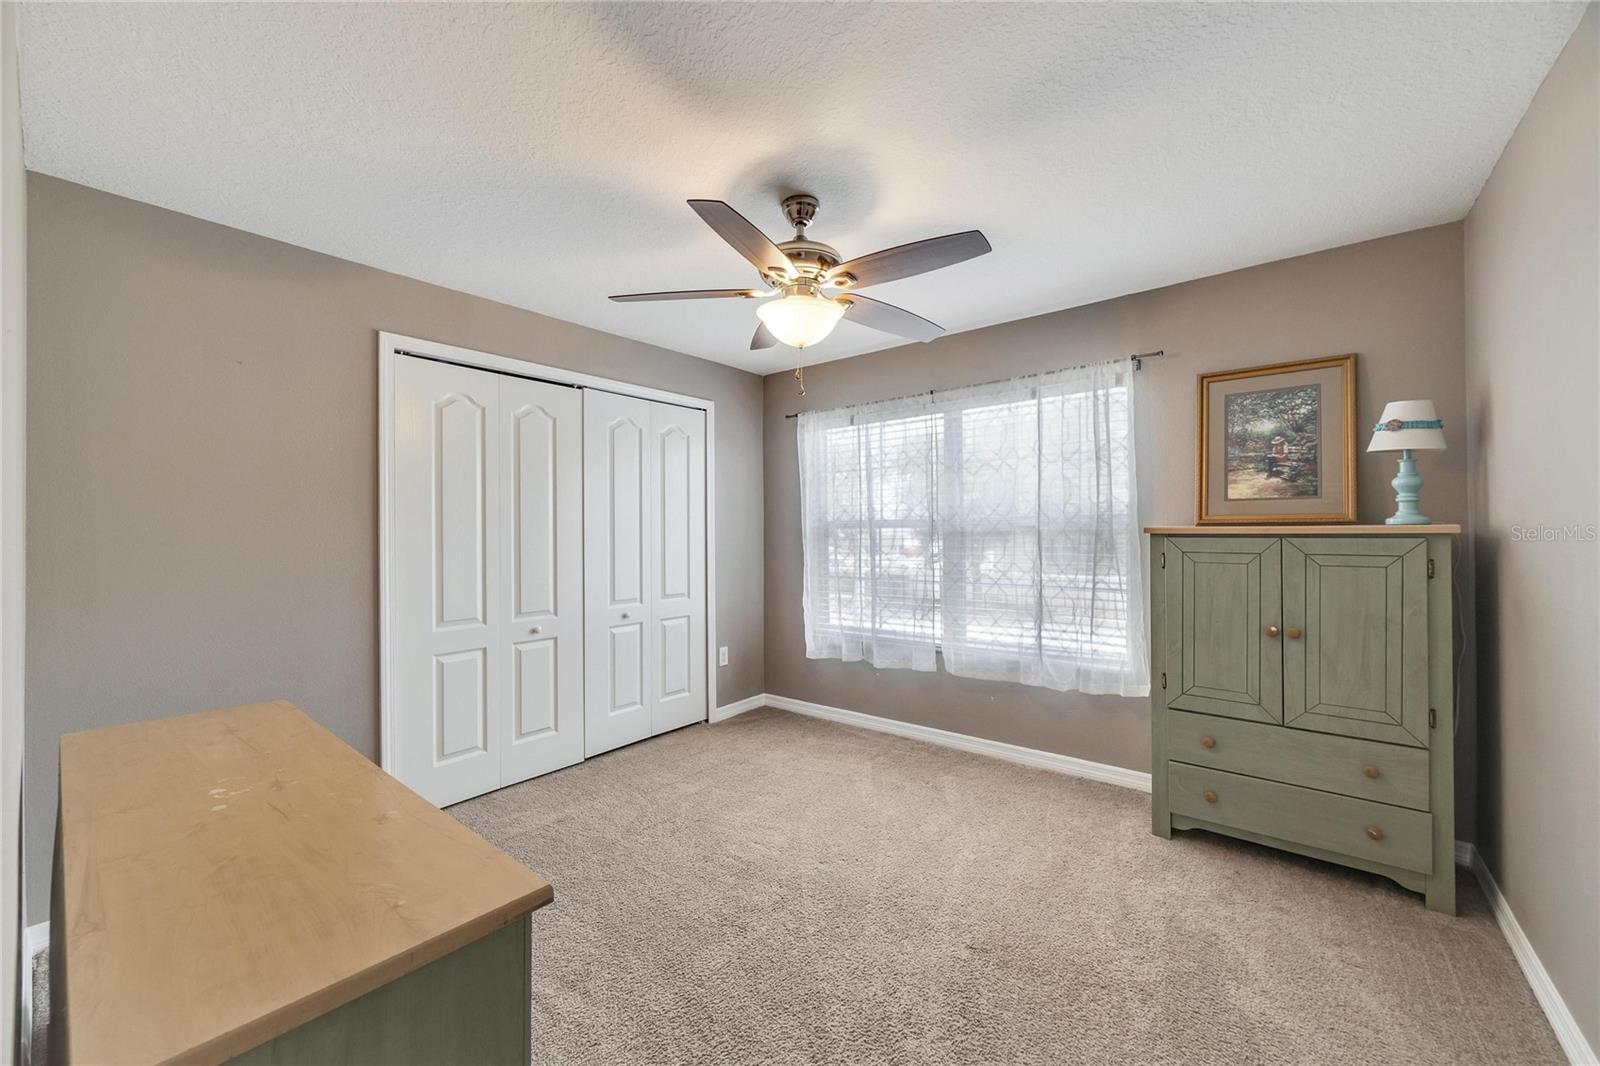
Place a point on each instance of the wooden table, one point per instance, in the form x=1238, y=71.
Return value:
x=240, y=884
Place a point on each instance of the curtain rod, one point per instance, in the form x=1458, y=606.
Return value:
x=1136, y=360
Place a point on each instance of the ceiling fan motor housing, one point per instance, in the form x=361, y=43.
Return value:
x=810, y=258
x=800, y=209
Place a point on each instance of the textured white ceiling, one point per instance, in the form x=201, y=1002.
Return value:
x=541, y=154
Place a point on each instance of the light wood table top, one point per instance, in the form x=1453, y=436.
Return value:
x=1330, y=530
x=232, y=874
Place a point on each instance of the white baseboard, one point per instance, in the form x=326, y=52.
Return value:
x=728, y=710
x=37, y=938
x=1571, y=1038
x=1043, y=760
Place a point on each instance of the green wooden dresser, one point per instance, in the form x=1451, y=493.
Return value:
x=1301, y=693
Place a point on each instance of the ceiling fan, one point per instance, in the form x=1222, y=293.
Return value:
x=815, y=285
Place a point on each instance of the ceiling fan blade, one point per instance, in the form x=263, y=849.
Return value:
x=918, y=257
x=889, y=318
x=746, y=239
x=688, y=294
x=763, y=338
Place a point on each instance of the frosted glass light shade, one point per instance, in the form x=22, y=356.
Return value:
x=1408, y=424
x=799, y=319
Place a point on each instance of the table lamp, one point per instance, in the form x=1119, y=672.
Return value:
x=1408, y=426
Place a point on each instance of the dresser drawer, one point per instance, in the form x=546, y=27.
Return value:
x=1387, y=773
x=1377, y=832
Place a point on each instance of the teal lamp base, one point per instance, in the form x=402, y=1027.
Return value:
x=1407, y=491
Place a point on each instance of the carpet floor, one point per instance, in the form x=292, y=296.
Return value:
x=778, y=889
x=781, y=889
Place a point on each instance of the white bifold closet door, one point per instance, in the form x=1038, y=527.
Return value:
x=644, y=518
x=487, y=613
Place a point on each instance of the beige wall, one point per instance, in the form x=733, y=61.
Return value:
x=13, y=396
x=203, y=454
x=1396, y=302
x=1533, y=373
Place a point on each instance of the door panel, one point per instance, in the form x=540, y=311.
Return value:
x=672, y=635
x=447, y=658
x=624, y=488
x=534, y=477
x=627, y=668
x=536, y=700
x=1222, y=594
x=542, y=441
x=460, y=704
x=674, y=491
x=616, y=569
x=460, y=442
x=675, y=524
x=1356, y=606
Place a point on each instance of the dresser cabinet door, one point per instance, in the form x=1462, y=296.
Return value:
x=1356, y=637
x=1223, y=595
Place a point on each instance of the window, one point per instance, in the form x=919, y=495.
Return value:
x=994, y=524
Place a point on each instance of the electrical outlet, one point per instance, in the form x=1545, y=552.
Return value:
x=722, y=656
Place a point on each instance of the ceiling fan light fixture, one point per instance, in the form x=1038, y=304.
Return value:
x=801, y=318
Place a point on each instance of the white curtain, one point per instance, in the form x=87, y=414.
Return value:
x=869, y=480
x=995, y=524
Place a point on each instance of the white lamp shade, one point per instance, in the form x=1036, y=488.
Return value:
x=800, y=319
x=1408, y=424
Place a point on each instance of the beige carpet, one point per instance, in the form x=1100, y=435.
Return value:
x=780, y=889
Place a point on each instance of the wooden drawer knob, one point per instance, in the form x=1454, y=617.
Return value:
x=1294, y=632
x=1208, y=742
x=1211, y=797
x=1370, y=771
x=1374, y=832
x=1272, y=631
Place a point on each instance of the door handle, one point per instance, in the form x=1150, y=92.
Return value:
x=624, y=616
x=1272, y=631
x=1293, y=633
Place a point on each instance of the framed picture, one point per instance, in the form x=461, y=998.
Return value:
x=1277, y=444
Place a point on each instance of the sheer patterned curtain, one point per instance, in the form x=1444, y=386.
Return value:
x=869, y=479
x=996, y=524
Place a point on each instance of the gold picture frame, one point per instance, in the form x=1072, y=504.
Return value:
x=1276, y=444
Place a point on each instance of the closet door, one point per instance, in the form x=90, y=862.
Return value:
x=541, y=439
x=616, y=457
x=675, y=523
x=447, y=668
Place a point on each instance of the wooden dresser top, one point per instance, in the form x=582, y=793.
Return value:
x=232, y=874
x=1222, y=530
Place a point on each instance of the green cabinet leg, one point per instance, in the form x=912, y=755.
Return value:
x=1441, y=890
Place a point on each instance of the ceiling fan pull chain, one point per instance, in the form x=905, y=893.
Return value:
x=800, y=376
